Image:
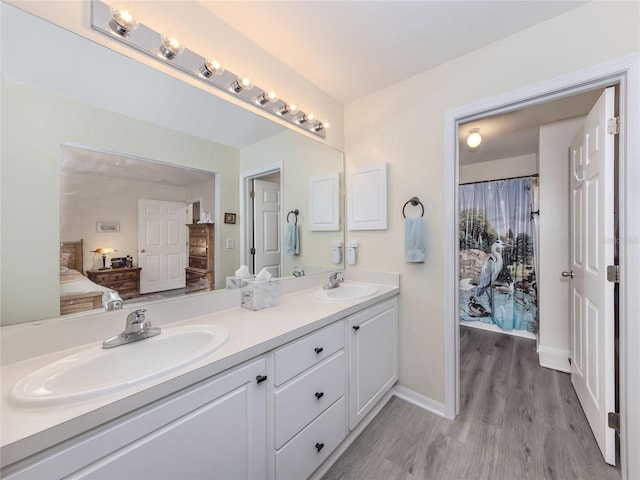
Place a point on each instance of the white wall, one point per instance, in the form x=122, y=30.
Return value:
x=521, y=166
x=406, y=130
x=553, y=289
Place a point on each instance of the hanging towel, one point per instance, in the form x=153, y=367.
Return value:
x=292, y=239
x=414, y=241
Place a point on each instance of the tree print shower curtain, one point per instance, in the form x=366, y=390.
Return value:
x=497, y=257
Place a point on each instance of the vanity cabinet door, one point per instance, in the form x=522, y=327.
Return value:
x=214, y=430
x=373, y=357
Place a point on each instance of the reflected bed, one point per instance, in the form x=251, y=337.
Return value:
x=77, y=292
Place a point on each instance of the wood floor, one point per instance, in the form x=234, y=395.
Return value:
x=518, y=421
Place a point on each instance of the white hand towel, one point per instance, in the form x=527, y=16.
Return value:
x=414, y=241
x=292, y=240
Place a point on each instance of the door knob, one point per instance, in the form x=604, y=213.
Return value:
x=142, y=251
x=567, y=274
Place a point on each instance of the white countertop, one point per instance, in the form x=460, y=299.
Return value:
x=25, y=431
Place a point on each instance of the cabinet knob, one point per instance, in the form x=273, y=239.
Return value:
x=261, y=378
x=319, y=446
x=319, y=350
x=319, y=395
x=356, y=327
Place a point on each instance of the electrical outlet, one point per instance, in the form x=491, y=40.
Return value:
x=229, y=243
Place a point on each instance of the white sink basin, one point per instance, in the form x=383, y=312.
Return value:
x=346, y=291
x=96, y=371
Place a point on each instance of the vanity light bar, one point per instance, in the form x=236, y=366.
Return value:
x=168, y=49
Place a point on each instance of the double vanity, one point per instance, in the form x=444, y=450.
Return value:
x=222, y=392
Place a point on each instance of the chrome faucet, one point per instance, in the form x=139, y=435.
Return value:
x=298, y=272
x=138, y=328
x=335, y=279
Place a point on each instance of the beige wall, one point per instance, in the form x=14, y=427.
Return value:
x=406, y=130
x=497, y=169
x=34, y=125
x=301, y=159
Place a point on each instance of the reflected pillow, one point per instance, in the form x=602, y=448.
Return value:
x=64, y=259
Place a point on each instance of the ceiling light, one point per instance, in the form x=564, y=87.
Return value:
x=210, y=67
x=474, y=139
x=266, y=97
x=170, y=47
x=122, y=21
x=291, y=108
x=241, y=84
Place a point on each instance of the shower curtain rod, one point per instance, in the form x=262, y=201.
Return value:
x=535, y=175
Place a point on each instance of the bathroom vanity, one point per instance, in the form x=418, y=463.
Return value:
x=294, y=384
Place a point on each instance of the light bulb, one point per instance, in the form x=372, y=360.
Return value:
x=170, y=47
x=306, y=117
x=122, y=21
x=266, y=97
x=241, y=84
x=210, y=67
x=474, y=139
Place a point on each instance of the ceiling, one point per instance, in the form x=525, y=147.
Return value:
x=351, y=49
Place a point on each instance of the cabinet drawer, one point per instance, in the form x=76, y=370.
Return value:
x=198, y=262
x=304, y=398
x=296, y=357
x=198, y=231
x=302, y=455
x=198, y=251
x=198, y=241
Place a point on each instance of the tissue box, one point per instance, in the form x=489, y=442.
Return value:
x=259, y=294
x=236, y=282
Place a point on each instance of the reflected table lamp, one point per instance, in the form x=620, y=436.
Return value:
x=103, y=251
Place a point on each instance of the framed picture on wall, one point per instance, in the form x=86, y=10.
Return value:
x=107, y=227
x=229, y=218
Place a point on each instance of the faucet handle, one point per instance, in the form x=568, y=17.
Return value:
x=136, y=316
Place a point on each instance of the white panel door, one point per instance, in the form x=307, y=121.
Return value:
x=591, y=245
x=266, y=231
x=162, y=244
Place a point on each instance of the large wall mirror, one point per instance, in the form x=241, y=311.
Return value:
x=71, y=122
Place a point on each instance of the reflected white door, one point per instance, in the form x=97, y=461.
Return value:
x=162, y=244
x=266, y=227
x=592, y=237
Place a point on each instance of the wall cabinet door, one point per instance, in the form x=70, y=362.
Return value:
x=373, y=357
x=215, y=431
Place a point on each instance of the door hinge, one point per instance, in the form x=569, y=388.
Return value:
x=614, y=420
x=252, y=194
x=252, y=251
x=613, y=273
x=613, y=126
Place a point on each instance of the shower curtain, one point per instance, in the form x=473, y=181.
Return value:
x=497, y=254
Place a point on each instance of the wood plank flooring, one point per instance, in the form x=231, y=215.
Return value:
x=518, y=421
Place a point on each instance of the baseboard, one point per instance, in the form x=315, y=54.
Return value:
x=554, y=358
x=419, y=400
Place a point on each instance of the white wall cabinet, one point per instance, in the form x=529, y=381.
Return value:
x=216, y=429
x=373, y=357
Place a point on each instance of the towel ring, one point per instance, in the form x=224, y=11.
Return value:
x=415, y=201
x=295, y=212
